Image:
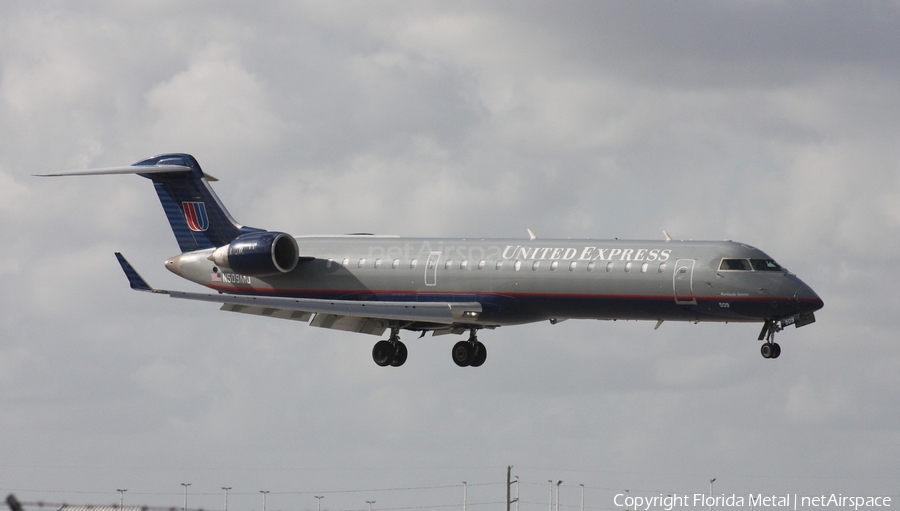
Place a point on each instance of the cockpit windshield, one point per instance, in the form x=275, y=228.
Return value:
x=749, y=265
x=735, y=265
x=765, y=265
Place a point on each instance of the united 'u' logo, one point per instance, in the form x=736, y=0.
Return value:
x=195, y=214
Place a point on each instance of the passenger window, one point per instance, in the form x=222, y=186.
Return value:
x=518, y=265
x=554, y=265
x=345, y=262
x=378, y=263
x=609, y=266
x=362, y=262
x=481, y=264
x=628, y=267
x=329, y=262
x=413, y=264
x=535, y=266
x=448, y=264
x=464, y=265
x=645, y=267
x=572, y=266
x=431, y=264
x=590, y=266
x=734, y=265
x=662, y=267
x=395, y=264
x=499, y=265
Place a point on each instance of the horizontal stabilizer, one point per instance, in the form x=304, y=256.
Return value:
x=110, y=171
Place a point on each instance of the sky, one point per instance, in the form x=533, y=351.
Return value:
x=772, y=123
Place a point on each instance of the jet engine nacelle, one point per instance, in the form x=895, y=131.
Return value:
x=259, y=254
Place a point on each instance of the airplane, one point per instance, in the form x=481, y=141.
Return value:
x=371, y=284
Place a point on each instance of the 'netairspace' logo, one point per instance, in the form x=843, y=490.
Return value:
x=786, y=501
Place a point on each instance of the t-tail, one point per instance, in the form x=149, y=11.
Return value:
x=195, y=213
x=198, y=218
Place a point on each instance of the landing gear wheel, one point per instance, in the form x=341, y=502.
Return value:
x=463, y=352
x=770, y=350
x=400, y=353
x=479, y=354
x=383, y=353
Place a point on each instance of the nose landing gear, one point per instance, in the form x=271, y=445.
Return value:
x=770, y=348
x=390, y=352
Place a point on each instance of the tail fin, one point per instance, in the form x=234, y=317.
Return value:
x=196, y=215
x=198, y=218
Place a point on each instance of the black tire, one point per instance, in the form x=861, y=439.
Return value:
x=479, y=355
x=776, y=350
x=766, y=350
x=462, y=353
x=400, y=354
x=383, y=353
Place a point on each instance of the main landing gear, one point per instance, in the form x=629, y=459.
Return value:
x=770, y=348
x=390, y=352
x=469, y=352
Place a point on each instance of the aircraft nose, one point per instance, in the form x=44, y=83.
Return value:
x=808, y=299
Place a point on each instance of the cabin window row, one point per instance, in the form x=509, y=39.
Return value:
x=517, y=265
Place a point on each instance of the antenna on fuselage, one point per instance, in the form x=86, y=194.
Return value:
x=668, y=238
x=531, y=235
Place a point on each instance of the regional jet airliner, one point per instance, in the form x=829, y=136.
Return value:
x=375, y=284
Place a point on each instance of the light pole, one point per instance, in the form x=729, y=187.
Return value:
x=185, y=495
x=710, y=492
x=121, y=495
x=509, y=483
x=370, y=502
x=264, y=492
x=517, y=493
x=226, y=488
x=551, y=494
x=465, y=494
x=319, y=498
x=557, y=494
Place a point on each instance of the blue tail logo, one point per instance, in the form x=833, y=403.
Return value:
x=195, y=215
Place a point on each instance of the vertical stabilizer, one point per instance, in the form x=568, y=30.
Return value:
x=195, y=213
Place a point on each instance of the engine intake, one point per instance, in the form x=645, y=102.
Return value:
x=259, y=254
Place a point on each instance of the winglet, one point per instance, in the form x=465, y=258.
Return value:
x=134, y=279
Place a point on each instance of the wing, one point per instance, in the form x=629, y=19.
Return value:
x=372, y=317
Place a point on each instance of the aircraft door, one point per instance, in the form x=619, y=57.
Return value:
x=431, y=267
x=683, y=281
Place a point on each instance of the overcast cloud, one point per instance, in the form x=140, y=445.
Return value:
x=773, y=123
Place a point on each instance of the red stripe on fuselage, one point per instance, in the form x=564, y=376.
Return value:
x=308, y=293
